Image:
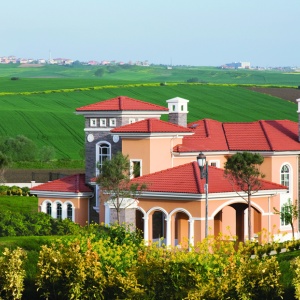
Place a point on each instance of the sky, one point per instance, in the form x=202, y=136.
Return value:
x=178, y=32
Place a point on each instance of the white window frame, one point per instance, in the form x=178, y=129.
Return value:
x=289, y=195
x=112, y=122
x=64, y=209
x=217, y=162
x=98, y=153
x=102, y=122
x=93, y=122
x=132, y=161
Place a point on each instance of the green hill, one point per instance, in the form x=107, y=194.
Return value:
x=49, y=119
x=50, y=76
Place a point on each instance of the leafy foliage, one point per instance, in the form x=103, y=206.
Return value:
x=12, y=273
x=19, y=148
x=114, y=180
x=38, y=224
x=288, y=213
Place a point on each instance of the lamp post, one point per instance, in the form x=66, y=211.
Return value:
x=203, y=166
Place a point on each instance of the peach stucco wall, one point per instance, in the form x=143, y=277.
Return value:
x=262, y=221
x=155, y=153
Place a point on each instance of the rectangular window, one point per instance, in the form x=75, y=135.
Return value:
x=182, y=108
x=93, y=122
x=112, y=122
x=131, y=120
x=102, y=122
x=173, y=107
x=135, y=168
x=214, y=163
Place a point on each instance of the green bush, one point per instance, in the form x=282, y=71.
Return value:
x=12, y=274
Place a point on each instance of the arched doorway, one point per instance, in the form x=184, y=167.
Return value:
x=181, y=234
x=159, y=227
x=233, y=220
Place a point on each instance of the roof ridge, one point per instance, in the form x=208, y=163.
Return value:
x=206, y=127
x=261, y=122
x=197, y=175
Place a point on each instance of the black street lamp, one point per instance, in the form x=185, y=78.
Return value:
x=203, y=166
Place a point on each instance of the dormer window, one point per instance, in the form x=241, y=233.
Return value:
x=102, y=122
x=93, y=122
x=112, y=122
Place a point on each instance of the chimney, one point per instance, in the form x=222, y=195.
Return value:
x=298, y=111
x=178, y=111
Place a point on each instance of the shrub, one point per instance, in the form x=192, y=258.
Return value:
x=296, y=280
x=12, y=274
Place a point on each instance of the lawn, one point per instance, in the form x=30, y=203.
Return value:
x=19, y=204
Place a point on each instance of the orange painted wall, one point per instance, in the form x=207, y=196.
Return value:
x=155, y=153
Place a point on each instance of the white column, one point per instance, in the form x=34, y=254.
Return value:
x=168, y=237
x=146, y=229
x=191, y=232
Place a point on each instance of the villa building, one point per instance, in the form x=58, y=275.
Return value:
x=175, y=205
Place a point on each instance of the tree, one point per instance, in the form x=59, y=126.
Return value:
x=242, y=170
x=19, y=148
x=288, y=214
x=47, y=153
x=114, y=180
x=4, y=163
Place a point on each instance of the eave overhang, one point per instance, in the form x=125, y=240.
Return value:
x=46, y=194
x=211, y=196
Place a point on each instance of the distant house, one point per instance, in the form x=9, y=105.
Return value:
x=172, y=207
x=238, y=65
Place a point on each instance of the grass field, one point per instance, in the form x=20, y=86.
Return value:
x=49, y=119
x=19, y=204
x=48, y=77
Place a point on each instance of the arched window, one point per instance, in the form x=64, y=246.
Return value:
x=70, y=212
x=103, y=153
x=49, y=209
x=285, y=176
x=58, y=211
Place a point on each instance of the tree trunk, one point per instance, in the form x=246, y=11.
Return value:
x=293, y=233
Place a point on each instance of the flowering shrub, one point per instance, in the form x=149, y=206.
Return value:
x=12, y=274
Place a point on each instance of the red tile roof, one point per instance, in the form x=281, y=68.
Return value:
x=186, y=179
x=150, y=126
x=70, y=184
x=210, y=135
x=122, y=103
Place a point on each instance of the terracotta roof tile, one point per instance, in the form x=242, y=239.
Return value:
x=72, y=184
x=122, y=103
x=150, y=126
x=186, y=179
x=210, y=135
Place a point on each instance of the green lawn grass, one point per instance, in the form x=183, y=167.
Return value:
x=20, y=204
